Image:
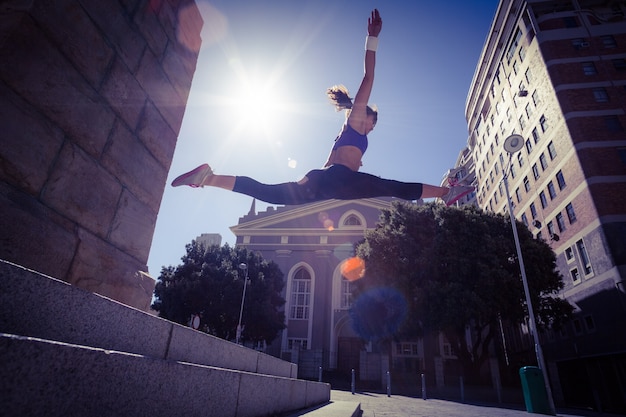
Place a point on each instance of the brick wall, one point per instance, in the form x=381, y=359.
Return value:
x=92, y=96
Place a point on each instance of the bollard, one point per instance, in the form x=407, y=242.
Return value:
x=462, y=389
x=423, y=386
x=388, y=384
x=352, y=384
x=320, y=375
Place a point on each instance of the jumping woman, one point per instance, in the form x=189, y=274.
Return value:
x=340, y=177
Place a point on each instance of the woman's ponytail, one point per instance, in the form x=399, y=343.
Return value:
x=339, y=97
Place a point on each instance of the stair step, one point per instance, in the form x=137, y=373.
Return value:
x=36, y=305
x=47, y=378
x=332, y=409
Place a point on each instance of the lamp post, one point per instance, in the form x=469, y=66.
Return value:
x=512, y=145
x=244, y=267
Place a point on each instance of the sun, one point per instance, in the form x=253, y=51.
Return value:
x=256, y=101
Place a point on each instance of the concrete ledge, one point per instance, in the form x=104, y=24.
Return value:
x=36, y=305
x=44, y=378
x=331, y=409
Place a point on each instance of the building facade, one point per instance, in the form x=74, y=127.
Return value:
x=555, y=73
x=310, y=243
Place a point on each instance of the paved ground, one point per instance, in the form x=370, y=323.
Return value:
x=378, y=405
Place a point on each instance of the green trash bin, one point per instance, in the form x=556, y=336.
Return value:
x=535, y=395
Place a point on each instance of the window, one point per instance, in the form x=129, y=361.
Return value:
x=522, y=53
x=575, y=275
x=580, y=43
x=520, y=160
x=522, y=122
x=536, y=99
x=512, y=169
x=533, y=210
x=352, y=220
x=529, y=110
x=551, y=150
x=551, y=228
x=571, y=214
x=608, y=41
x=535, y=135
x=513, y=46
x=526, y=183
x=589, y=68
x=543, y=199
x=578, y=327
x=346, y=294
x=543, y=123
x=543, y=162
x=612, y=124
x=560, y=179
x=528, y=75
x=560, y=223
x=619, y=64
x=297, y=344
x=589, y=323
x=600, y=95
x=518, y=195
x=584, y=257
x=515, y=67
x=300, y=295
x=529, y=146
x=570, y=22
x=551, y=190
x=535, y=172
x=525, y=219
x=569, y=254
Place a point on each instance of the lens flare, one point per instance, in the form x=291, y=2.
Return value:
x=353, y=269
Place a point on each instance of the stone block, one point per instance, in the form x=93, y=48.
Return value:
x=33, y=235
x=261, y=395
x=71, y=29
x=114, y=22
x=133, y=226
x=148, y=24
x=30, y=143
x=165, y=98
x=49, y=82
x=84, y=192
x=157, y=135
x=192, y=346
x=316, y=393
x=124, y=94
x=134, y=166
x=100, y=267
x=271, y=365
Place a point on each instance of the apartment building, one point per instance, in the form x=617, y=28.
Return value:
x=555, y=73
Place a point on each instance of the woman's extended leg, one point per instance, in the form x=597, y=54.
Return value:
x=290, y=193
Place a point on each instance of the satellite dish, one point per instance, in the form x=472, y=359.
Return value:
x=513, y=143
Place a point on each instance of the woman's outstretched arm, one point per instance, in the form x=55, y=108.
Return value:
x=358, y=115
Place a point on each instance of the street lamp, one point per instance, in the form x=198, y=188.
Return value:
x=244, y=267
x=512, y=145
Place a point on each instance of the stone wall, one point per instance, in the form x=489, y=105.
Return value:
x=92, y=96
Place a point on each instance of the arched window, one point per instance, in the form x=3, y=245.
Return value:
x=352, y=220
x=300, y=295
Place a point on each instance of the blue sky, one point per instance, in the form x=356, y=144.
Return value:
x=257, y=105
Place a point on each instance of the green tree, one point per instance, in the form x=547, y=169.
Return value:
x=209, y=283
x=458, y=268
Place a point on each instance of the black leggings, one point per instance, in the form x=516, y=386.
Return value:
x=335, y=182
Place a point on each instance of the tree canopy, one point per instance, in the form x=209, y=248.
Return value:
x=457, y=268
x=209, y=283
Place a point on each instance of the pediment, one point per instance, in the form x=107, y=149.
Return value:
x=314, y=217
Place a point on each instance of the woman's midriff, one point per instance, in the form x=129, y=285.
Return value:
x=349, y=156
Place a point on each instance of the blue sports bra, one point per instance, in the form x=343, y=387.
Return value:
x=350, y=137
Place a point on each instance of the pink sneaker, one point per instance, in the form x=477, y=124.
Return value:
x=195, y=178
x=456, y=192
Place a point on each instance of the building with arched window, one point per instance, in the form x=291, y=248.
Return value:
x=310, y=243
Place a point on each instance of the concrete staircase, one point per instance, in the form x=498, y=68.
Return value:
x=67, y=352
